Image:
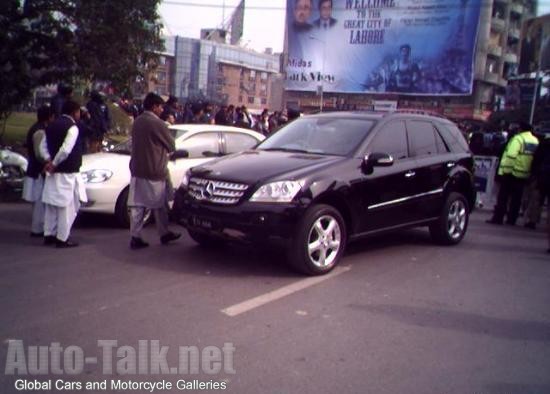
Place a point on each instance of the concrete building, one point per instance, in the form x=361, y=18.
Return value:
x=224, y=74
x=496, y=60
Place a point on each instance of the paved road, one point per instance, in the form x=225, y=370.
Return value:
x=400, y=316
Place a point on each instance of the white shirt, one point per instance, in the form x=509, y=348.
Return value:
x=61, y=188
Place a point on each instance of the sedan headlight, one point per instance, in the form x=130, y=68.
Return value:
x=283, y=191
x=96, y=176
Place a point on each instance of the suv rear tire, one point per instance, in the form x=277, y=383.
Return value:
x=319, y=241
x=451, y=226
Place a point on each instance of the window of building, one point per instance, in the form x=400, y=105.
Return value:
x=263, y=76
x=264, y=101
x=252, y=76
x=240, y=99
x=250, y=99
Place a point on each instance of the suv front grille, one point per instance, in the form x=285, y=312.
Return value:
x=217, y=192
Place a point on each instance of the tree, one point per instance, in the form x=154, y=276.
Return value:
x=49, y=41
x=32, y=42
x=122, y=44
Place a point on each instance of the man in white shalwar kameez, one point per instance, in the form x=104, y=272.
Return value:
x=34, y=178
x=150, y=186
x=63, y=185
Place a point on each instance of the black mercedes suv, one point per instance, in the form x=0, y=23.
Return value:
x=327, y=179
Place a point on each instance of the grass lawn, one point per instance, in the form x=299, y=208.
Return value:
x=16, y=128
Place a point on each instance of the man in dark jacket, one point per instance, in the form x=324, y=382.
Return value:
x=34, y=179
x=150, y=186
x=63, y=187
x=100, y=120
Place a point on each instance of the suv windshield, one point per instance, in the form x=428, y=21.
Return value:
x=326, y=136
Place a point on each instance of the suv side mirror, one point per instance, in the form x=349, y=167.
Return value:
x=376, y=160
x=179, y=154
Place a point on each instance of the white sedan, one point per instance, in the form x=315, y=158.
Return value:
x=107, y=174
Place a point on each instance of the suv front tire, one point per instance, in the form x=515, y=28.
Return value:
x=319, y=241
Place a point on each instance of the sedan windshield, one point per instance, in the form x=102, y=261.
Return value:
x=326, y=136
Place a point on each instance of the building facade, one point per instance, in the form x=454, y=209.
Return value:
x=496, y=60
x=212, y=71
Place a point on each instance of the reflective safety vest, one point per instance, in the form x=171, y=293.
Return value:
x=518, y=155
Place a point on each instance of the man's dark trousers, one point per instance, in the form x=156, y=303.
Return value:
x=509, y=199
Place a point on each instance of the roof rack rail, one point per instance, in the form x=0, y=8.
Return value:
x=418, y=112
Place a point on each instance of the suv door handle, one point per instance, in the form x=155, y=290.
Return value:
x=450, y=164
x=410, y=174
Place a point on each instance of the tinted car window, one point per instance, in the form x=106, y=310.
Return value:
x=330, y=136
x=441, y=146
x=421, y=138
x=235, y=142
x=453, y=137
x=392, y=139
x=202, y=145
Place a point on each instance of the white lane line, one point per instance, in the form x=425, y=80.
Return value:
x=284, y=291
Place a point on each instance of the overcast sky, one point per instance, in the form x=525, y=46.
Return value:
x=263, y=24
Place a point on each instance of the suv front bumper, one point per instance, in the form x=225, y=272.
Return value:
x=246, y=221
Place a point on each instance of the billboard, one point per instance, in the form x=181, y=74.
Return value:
x=535, y=45
x=411, y=47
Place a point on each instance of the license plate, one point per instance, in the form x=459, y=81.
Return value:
x=202, y=222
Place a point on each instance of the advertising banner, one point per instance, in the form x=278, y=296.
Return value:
x=414, y=47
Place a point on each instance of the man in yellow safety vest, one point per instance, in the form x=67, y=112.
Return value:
x=514, y=170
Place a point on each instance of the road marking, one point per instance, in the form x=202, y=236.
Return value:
x=284, y=291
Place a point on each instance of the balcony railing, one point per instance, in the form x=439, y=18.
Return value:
x=495, y=51
x=498, y=24
x=492, y=77
x=510, y=57
x=517, y=8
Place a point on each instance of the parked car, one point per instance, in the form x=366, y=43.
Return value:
x=107, y=174
x=330, y=178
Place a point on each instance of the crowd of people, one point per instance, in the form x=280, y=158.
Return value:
x=265, y=122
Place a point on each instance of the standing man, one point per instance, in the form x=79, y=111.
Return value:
x=64, y=93
x=514, y=170
x=34, y=179
x=150, y=186
x=63, y=187
x=100, y=120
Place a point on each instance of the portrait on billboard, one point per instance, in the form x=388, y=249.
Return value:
x=414, y=47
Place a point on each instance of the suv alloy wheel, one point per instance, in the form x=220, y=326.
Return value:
x=451, y=226
x=319, y=241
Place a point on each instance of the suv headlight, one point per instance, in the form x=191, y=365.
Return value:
x=96, y=176
x=283, y=191
x=185, y=180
